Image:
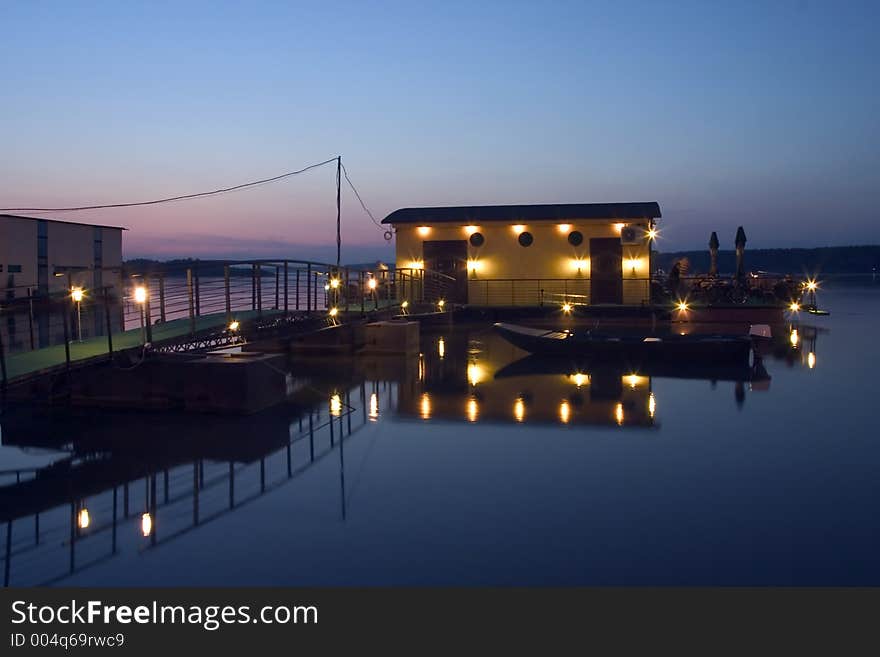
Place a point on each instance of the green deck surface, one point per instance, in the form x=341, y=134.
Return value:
x=47, y=358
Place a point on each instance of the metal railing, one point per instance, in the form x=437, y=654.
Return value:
x=157, y=303
x=549, y=291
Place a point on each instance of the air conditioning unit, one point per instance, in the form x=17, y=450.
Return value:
x=629, y=235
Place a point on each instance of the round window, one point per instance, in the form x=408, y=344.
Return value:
x=525, y=239
x=477, y=239
x=575, y=238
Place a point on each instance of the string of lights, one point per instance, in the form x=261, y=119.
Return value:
x=183, y=196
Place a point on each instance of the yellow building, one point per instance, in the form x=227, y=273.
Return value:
x=528, y=255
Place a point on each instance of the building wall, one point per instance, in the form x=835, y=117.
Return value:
x=68, y=245
x=18, y=248
x=501, y=272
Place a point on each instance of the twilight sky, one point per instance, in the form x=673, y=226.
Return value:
x=764, y=114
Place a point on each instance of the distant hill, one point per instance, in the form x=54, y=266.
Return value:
x=824, y=260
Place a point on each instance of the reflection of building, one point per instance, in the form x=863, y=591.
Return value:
x=532, y=254
x=34, y=252
x=472, y=382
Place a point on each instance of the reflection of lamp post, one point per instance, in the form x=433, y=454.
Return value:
x=77, y=295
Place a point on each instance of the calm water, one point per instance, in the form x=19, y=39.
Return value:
x=477, y=467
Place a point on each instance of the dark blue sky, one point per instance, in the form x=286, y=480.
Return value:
x=765, y=114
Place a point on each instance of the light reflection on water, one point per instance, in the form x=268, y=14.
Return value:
x=475, y=463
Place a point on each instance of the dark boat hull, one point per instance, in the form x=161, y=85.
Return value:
x=714, y=348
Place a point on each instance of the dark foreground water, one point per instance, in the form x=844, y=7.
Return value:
x=475, y=466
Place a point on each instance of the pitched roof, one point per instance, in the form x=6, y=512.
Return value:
x=483, y=213
x=59, y=221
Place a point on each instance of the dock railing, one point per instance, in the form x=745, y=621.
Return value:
x=71, y=319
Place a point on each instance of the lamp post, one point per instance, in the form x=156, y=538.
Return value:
x=76, y=294
x=371, y=283
x=140, y=297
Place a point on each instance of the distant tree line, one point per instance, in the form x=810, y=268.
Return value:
x=827, y=260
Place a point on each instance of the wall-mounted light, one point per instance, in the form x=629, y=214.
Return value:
x=563, y=228
x=580, y=264
x=579, y=379
x=518, y=228
x=618, y=228
x=470, y=230
x=566, y=308
x=424, y=231
x=416, y=264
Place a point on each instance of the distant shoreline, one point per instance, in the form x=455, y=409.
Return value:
x=795, y=261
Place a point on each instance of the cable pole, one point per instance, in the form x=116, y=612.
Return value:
x=338, y=211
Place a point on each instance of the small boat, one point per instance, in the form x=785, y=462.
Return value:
x=585, y=342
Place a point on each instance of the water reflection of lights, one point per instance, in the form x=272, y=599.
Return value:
x=425, y=406
x=83, y=519
x=564, y=411
x=335, y=405
x=793, y=337
x=146, y=524
x=473, y=409
x=374, y=406
x=441, y=347
x=579, y=379
x=652, y=405
x=421, y=367
x=811, y=360
x=519, y=409
x=618, y=413
x=475, y=374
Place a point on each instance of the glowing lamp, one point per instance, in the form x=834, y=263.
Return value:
x=335, y=405
x=470, y=230
x=371, y=283
x=76, y=294
x=326, y=287
x=233, y=325
x=424, y=231
x=811, y=360
x=519, y=409
x=618, y=413
x=794, y=338
x=518, y=228
x=416, y=264
x=794, y=306
x=564, y=228
x=334, y=283
x=83, y=520
x=682, y=306
x=374, y=406
x=566, y=308
x=652, y=233
x=619, y=227
x=425, y=406
x=441, y=347
x=441, y=303
x=140, y=294
x=579, y=379
x=812, y=286
x=404, y=304
x=475, y=374
x=652, y=405
x=333, y=312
